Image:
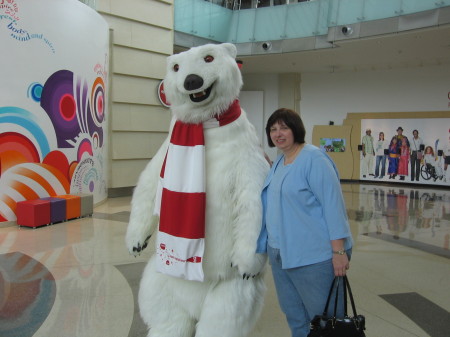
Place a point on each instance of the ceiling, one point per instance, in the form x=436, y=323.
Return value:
x=415, y=48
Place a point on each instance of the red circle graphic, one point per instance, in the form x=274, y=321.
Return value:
x=162, y=95
x=67, y=107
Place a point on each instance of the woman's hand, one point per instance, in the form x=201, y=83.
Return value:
x=340, y=258
x=340, y=264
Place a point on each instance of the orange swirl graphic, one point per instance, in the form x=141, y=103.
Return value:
x=38, y=178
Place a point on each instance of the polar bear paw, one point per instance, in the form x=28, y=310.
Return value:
x=137, y=247
x=254, y=269
x=136, y=241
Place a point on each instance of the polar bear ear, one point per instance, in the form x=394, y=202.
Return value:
x=230, y=48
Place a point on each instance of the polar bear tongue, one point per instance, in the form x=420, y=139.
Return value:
x=200, y=94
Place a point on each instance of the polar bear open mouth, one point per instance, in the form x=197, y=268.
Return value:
x=201, y=95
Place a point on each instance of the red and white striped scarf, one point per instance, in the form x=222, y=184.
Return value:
x=181, y=199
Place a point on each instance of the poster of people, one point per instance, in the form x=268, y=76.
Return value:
x=332, y=144
x=406, y=150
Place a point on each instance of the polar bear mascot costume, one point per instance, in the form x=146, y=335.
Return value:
x=201, y=192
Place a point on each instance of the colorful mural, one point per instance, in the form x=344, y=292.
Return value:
x=53, y=94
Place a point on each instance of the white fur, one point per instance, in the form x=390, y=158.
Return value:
x=229, y=301
x=223, y=74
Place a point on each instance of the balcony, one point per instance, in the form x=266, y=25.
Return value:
x=300, y=26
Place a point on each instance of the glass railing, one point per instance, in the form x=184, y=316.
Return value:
x=202, y=18
x=208, y=20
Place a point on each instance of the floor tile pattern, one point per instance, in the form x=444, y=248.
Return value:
x=434, y=320
x=76, y=278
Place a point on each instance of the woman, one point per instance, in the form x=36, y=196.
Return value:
x=380, y=156
x=393, y=158
x=305, y=228
x=433, y=163
x=403, y=161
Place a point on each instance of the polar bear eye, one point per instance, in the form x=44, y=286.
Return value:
x=209, y=59
x=176, y=67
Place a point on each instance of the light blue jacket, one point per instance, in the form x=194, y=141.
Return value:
x=313, y=210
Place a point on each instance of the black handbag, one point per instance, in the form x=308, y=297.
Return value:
x=326, y=326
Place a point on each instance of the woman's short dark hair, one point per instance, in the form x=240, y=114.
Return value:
x=292, y=121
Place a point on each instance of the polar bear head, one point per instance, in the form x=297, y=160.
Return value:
x=202, y=81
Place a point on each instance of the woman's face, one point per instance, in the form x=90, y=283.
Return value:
x=381, y=135
x=282, y=136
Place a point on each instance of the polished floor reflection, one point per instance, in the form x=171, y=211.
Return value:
x=412, y=217
x=77, y=279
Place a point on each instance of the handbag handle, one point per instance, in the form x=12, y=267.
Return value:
x=351, y=297
x=346, y=285
x=325, y=310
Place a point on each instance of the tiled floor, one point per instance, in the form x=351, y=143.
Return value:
x=77, y=279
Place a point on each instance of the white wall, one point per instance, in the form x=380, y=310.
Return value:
x=268, y=84
x=330, y=96
x=252, y=102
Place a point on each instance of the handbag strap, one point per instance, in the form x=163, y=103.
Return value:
x=337, y=296
x=325, y=310
x=345, y=282
x=346, y=285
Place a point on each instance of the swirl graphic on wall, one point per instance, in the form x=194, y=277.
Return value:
x=58, y=101
x=90, y=111
x=71, y=113
x=85, y=175
x=15, y=148
x=35, y=91
x=25, y=123
x=29, y=181
x=56, y=150
x=97, y=99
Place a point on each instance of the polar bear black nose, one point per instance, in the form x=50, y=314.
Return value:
x=193, y=82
